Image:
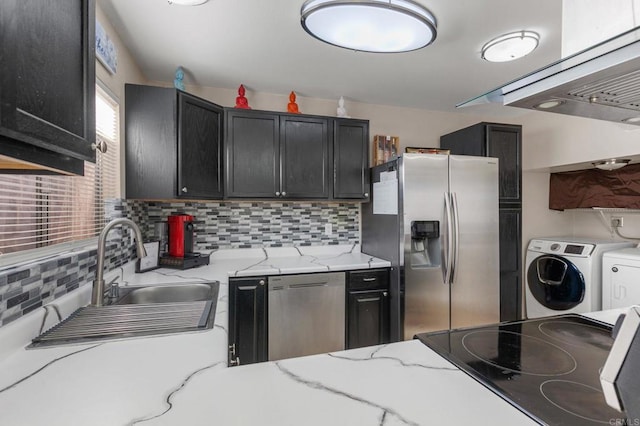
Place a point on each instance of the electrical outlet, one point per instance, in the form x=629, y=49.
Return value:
x=616, y=221
x=328, y=229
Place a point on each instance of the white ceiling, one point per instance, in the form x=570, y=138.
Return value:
x=261, y=44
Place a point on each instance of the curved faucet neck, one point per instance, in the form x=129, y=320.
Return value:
x=97, y=293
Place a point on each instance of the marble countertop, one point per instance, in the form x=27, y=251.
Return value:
x=183, y=379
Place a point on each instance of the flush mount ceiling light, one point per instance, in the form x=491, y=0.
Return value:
x=510, y=46
x=632, y=120
x=379, y=26
x=187, y=2
x=612, y=164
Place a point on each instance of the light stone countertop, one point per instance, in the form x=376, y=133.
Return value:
x=183, y=379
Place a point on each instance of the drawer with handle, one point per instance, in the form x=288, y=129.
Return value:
x=369, y=279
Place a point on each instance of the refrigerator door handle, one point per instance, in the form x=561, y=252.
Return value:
x=446, y=272
x=456, y=236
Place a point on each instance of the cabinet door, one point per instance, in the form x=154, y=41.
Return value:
x=199, y=148
x=304, y=157
x=247, y=321
x=151, y=168
x=47, y=92
x=252, y=154
x=510, y=264
x=351, y=159
x=368, y=319
x=503, y=142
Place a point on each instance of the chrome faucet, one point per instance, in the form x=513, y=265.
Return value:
x=97, y=294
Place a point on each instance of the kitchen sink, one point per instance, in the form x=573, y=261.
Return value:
x=174, y=293
x=139, y=312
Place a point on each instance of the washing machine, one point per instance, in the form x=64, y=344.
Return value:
x=564, y=275
x=621, y=278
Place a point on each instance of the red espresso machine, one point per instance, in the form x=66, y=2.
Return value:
x=181, y=240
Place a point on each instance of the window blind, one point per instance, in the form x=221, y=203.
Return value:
x=40, y=211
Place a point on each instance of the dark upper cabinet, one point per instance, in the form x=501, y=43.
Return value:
x=271, y=155
x=294, y=156
x=247, y=320
x=503, y=141
x=304, y=157
x=351, y=159
x=47, y=84
x=367, y=319
x=252, y=153
x=173, y=145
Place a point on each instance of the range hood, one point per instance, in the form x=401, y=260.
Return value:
x=601, y=82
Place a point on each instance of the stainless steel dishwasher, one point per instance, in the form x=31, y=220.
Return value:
x=306, y=314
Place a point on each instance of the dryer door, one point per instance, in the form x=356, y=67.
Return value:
x=555, y=282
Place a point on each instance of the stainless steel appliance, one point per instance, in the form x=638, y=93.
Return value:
x=435, y=218
x=600, y=82
x=548, y=368
x=306, y=314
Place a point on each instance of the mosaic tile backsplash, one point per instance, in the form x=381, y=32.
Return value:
x=257, y=224
x=28, y=286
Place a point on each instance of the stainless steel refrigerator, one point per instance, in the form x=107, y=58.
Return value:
x=435, y=217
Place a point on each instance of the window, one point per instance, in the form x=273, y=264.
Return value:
x=40, y=211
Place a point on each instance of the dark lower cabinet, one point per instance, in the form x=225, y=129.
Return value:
x=367, y=308
x=47, y=89
x=247, y=320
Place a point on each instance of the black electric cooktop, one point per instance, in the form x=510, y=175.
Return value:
x=549, y=368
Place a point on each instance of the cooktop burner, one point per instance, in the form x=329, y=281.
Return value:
x=548, y=368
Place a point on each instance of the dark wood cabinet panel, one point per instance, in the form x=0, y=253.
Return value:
x=502, y=141
x=247, y=321
x=351, y=159
x=199, y=148
x=368, y=319
x=252, y=154
x=47, y=85
x=304, y=157
x=510, y=223
x=368, y=305
x=173, y=144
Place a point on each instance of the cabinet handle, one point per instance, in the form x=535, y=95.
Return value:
x=366, y=194
x=284, y=194
x=261, y=282
x=614, y=269
x=368, y=280
x=277, y=193
x=100, y=146
x=184, y=189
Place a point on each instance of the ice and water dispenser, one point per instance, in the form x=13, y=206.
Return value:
x=425, y=244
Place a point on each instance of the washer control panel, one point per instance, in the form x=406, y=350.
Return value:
x=562, y=248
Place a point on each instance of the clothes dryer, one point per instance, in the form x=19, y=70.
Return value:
x=564, y=275
x=621, y=278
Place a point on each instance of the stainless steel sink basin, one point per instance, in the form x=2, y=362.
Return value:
x=140, y=311
x=176, y=293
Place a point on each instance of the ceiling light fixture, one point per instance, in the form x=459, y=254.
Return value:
x=187, y=2
x=612, y=164
x=510, y=46
x=632, y=120
x=379, y=26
